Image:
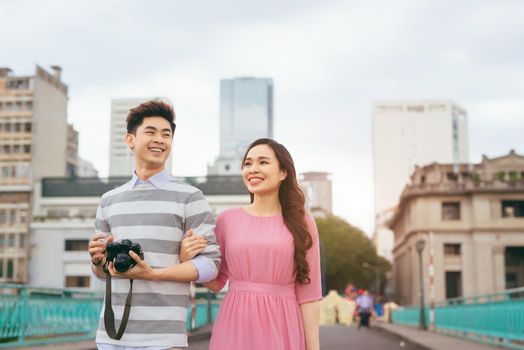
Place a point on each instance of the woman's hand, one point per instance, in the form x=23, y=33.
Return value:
x=191, y=246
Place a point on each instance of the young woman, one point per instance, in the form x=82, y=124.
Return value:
x=270, y=255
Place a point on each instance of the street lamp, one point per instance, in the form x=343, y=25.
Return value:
x=323, y=268
x=422, y=321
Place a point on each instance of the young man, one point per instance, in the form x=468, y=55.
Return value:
x=154, y=211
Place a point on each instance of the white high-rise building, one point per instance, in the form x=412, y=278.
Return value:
x=246, y=114
x=409, y=133
x=121, y=158
x=317, y=188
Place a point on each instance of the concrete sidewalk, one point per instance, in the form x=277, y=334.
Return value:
x=430, y=340
x=200, y=334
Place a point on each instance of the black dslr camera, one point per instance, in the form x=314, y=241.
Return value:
x=119, y=251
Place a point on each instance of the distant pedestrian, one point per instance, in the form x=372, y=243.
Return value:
x=365, y=308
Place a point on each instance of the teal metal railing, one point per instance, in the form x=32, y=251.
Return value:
x=496, y=318
x=30, y=316
x=37, y=315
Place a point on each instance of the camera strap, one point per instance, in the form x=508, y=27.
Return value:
x=109, y=316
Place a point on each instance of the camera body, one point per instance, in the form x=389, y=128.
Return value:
x=119, y=252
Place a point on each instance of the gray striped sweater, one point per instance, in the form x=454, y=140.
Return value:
x=157, y=219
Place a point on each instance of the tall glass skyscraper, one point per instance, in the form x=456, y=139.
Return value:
x=246, y=114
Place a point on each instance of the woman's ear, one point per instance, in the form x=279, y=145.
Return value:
x=283, y=175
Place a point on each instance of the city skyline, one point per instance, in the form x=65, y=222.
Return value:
x=330, y=61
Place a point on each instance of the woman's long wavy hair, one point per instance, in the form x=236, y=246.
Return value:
x=292, y=201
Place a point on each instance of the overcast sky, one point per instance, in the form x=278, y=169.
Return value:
x=329, y=60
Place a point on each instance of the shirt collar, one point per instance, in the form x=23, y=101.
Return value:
x=158, y=180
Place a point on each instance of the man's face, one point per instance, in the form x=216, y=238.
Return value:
x=151, y=142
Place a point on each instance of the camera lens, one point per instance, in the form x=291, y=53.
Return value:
x=122, y=262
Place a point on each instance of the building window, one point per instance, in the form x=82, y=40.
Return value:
x=452, y=177
x=2, y=241
x=27, y=127
x=514, y=267
x=21, y=241
x=452, y=249
x=23, y=216
x=77, y=281
x=418, y=108
x=453, y=284
x=11, y=241
x=27, y=148
x=450, y=211
x=57, y=213
x=512, y=209
x=12, y=217
x=3, y=217
x=10, y=268
x=76, y=245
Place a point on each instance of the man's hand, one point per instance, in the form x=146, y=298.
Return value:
x=141, y=271
x=191, y=246
x=97, y=248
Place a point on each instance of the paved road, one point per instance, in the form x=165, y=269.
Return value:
x=342, y=338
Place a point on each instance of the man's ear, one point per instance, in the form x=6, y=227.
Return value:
x=130, y=140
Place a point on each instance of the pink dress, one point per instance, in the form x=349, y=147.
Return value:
x=261, y=309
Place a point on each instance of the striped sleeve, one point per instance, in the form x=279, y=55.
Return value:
x=200, y=218
x=101, y=224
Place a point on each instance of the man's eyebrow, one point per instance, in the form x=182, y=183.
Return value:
x=153, y=128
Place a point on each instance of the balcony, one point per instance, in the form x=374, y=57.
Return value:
x=462, y=187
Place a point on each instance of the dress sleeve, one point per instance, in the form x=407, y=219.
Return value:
x=313, y=290
x=223, y=275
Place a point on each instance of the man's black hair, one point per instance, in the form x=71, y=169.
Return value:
x=152, y=108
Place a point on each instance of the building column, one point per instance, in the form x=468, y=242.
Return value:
x=499, y=273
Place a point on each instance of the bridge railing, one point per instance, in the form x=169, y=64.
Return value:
x=41, y=316
x=496, y=318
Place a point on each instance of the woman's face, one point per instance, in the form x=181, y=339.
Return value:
x=261, y=171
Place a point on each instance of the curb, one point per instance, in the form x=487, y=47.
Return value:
x=409, y=344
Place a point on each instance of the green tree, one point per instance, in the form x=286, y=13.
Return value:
x=350, y=257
